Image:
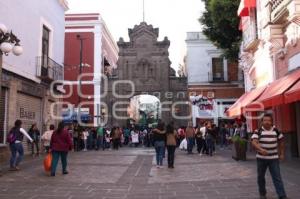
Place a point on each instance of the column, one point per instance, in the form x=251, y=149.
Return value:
x=97, y=73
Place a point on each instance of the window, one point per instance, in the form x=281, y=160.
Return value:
x=217, y=69
x=45, y=46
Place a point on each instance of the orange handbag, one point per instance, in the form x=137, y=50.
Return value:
x=47, y=162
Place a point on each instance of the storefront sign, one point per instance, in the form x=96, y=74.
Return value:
x=203, y=106
x=26, y=114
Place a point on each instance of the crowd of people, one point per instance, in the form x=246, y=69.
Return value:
x=59, y=141
x=204, y=137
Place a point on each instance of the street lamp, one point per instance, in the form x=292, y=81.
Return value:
x=8, y=42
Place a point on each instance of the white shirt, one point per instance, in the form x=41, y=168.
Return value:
x=85, y=135
x=47, y=137
x=135, y=137
x=25, y=134
x=203, y=130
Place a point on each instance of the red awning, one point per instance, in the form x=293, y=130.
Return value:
x=236, y=109
x=274, y=93
x=244, y=7
x=293, y=94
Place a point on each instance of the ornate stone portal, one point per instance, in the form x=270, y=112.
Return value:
x=144, y=68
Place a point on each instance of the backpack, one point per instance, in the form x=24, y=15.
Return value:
x=12, y=136
x=260, y=131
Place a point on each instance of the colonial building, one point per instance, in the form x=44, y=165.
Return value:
x=270, y=58
x=144, y=68
x=90, y=51
x=212, y=79
x=26, y=79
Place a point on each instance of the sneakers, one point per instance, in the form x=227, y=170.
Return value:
x=65, y=172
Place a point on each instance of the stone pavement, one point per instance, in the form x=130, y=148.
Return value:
x=130, y=173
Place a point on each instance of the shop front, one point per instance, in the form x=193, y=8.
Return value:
x=29, y=111
x=281, y=98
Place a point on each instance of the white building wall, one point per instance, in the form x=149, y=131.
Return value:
x=200, y=52
x=25, y=19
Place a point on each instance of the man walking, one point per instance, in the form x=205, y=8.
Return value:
x=267, y=140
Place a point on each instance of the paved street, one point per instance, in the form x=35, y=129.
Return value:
x=131, y=173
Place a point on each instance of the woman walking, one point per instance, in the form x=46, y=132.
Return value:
x=171, y=144
x=159, y=137
x=46, y=138
x=190, y=137
x=60, y=144
x=15, y=138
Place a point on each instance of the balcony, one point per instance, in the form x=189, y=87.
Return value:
x=250, y=39
x=48, y=70
x=282, y=11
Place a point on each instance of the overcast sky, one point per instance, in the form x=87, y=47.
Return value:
x=173, y=18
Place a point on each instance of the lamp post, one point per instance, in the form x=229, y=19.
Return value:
x=80, y=71
x=8, y=42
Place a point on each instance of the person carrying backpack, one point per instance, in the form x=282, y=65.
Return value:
x=15, y=138
x=269, y=144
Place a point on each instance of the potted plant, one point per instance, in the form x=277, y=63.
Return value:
x=239, y=148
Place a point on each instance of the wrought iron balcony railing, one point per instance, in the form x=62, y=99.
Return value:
x=279, y=9
x=49, y=70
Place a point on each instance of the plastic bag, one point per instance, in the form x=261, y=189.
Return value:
x=47, y=162
x=183, y=144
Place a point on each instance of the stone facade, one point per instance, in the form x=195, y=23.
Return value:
x=144, y=68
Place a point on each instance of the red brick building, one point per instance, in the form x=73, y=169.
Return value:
x=88, y=37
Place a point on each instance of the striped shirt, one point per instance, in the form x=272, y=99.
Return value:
x=268, y=140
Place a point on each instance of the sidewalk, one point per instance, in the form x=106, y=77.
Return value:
x=130, y=173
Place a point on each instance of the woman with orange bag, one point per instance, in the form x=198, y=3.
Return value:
x=60, y=144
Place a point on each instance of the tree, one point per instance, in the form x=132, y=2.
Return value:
x=221, y=24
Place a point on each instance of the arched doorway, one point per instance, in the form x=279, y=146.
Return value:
x=144, y=110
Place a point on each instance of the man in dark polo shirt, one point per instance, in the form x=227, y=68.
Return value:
x=269, y=144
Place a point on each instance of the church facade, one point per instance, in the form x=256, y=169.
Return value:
x=144, y=68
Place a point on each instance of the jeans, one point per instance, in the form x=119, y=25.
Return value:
x=273, y=165
x=85, y=144
x=126, y=140
x=14, y=149
x=55, y=157
x=159, y=149
x=190, y=144
x=223, y=141
x=200, y=144
x=171, y=155
x=100, y=143
x=76, y=144
x=210, y=145
x=36, y=145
